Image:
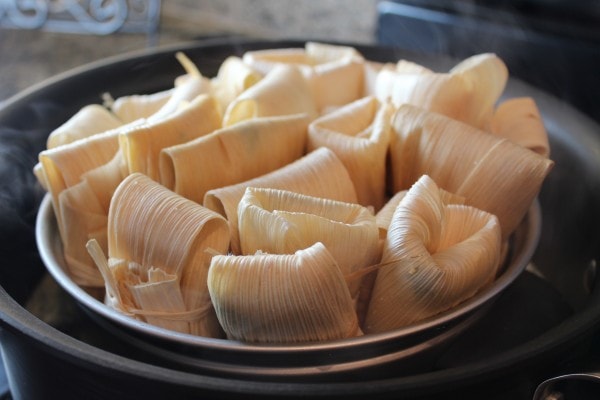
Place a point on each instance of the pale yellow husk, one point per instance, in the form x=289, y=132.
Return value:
x=334, y=73
x=138, y=106
x=359, y=135
x=141, y=145
x=83, y=215
x=233, y=78
x=282, y=91
x=519, y=120
x=88, y=121
x=468, y=92
x=282, y=222
x=234, y=154
x=491, y=173
x=485, y=76
x=279, y=299
x=151, y=226
x=320, y=173
x=435, y=257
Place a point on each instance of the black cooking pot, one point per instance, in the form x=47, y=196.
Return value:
x=542, y=325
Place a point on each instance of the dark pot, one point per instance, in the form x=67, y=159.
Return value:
x=539, y=326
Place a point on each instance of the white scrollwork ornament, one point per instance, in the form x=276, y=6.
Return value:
x=100, y=17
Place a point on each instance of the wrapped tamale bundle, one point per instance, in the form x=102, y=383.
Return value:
x=142, y=144
x=282, y=298
x=233, y=154
x=83, y=215
x=491, y=173
x=519, y=120
x=358, y=133
x=282, y=222
x=88, y=121
x=282, y=91
x=138, y=106
x=334, y=73
x=435, y=256
x=468, y=92
x=233, y=78
x=320, y=174
x=161, y=244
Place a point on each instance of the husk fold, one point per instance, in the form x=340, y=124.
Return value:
x=168, y=237
x=435, y=256
x=282, y=222
x=282, y=298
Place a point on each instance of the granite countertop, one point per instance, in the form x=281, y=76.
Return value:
x=30, y=56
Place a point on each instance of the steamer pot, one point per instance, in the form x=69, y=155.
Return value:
x=556, y=305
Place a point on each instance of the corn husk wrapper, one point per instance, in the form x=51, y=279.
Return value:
x=88, y=121
x=282, y=91
x=486, y=76
x=468, y=92
x=319, y=174
x=141, y=145
x=282, y=298
x=234, y=154
x=519, y=121
x=233, y=78
x=371, y=70
x=282, y=222
x=435, y=257
x=335, y=73
x=84, y=216
x=187, y=87
x=359, y=135
x=492, y=174
x=62, y=167
x=438, y=92
x=385, y=214
x=139, y=106
x=151, y=226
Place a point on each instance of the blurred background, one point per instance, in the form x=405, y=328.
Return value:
x=553, y=44
x=39, y=39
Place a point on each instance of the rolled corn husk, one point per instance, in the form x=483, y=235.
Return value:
x=187, y=88
x=282, y=222
x=88, y=121
x=334, y=73
x=151, y=226
x=141, y=145
x=485, y=76
x=492, y=174
x=435, y=257
x=468, y=92
x=282, y=91
x=359, y=134
x=385, y=214
x=139, y=106
x=234, y=154
x=437, y=92
x=519, y=121
x=233, y=78
x=282, y=298
x=320, y=173
x=84, y=216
